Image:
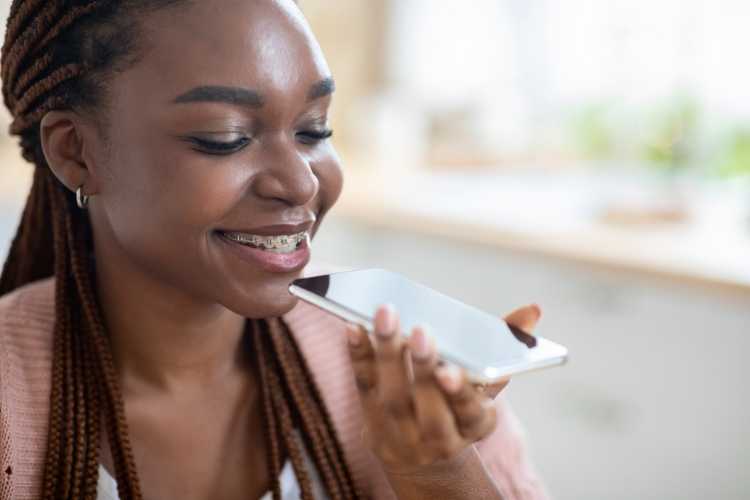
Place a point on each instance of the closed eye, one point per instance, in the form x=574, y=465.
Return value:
x=314, y=136
x=219, y=148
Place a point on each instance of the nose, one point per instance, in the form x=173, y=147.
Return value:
x=285, y=175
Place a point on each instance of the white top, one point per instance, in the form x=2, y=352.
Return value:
x=106, y=488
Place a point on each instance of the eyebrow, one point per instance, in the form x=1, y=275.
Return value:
x=219, y=93
x=246, y=97
x=322, y=88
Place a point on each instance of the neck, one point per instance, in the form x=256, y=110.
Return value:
x=164, y=339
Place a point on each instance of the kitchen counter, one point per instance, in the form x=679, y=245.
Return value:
x=559, y=216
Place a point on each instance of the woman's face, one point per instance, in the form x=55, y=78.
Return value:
x=218, y=132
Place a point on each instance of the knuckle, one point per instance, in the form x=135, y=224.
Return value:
x=398, y=408
x=474, y=433
x=432, y=432
x=483, y=428
x=470, y=418
x=444, y=450
x=491, y=421
x=424, y=375
x=364, y=380
x=463, y=397
x=361, y=353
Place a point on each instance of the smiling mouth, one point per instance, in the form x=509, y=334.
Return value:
x=283, y=243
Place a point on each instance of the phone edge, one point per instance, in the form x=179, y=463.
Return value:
x=474, y=376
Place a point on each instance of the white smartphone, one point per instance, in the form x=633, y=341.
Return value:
x=484, y=345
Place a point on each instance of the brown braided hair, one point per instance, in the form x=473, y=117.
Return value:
x=57, y=55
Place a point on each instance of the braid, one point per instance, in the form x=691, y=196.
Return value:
x=32, y=73
x=42, y=87
x=272, y=431
x=20, y=13
x=313, y=418
x=293, y=446
x=57, y=424
x=50, y=61
x=93, y=400
x=301, y=393
x=21, y=46
x=69, y=18
x=114, y=408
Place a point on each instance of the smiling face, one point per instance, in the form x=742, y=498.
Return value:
x=217, y=137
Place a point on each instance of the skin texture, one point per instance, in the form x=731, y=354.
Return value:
x=157, y=199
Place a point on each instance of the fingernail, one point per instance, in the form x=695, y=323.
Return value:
x=354, y=336
x=420, y=344
x=385, y=321
x=449, y=377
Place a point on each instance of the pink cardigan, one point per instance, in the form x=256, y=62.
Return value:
x=26, y=324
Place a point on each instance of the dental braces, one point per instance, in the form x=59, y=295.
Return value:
x=269, y=242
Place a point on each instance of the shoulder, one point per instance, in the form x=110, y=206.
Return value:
x=30, y=296
x=322, y=341
x=321, y=338
x=27, y=314
x=27, y=317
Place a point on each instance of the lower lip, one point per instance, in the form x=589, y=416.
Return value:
x=270, y=261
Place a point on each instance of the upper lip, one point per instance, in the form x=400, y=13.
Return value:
x=275, y=229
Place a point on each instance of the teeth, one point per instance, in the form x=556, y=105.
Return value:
x=278, y=244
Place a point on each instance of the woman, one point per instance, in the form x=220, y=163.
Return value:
x=148, y=345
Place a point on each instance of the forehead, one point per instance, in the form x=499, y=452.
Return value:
x=263, y=44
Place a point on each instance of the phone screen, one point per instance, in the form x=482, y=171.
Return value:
x=465, y=335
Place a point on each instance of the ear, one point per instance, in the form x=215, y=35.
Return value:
x=67, y=142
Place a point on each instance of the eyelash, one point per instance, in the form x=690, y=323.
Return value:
x=315, y=136
x=220, y=148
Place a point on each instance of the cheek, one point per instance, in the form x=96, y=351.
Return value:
x=160, y=190
x=327, y=167
x=163, y=202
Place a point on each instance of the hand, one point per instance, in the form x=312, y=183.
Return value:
x=525, y=319
x=417, y=413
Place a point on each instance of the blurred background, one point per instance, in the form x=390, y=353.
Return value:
x=590, y=156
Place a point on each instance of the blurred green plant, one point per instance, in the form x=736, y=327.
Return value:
x=593, y=132
x=670, y=137
x=734, y=157
x=670, y=142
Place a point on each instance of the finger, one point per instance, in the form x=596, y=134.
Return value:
x=362, y=355
x=436, y=423
x=488, y=423
x=474, y=414
x=492, y=390
x=394, y=387
x=525, y=318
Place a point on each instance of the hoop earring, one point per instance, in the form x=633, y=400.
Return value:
x=82, y=199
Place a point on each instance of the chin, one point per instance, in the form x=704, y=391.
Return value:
x=265, y=305
x=280, y=306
